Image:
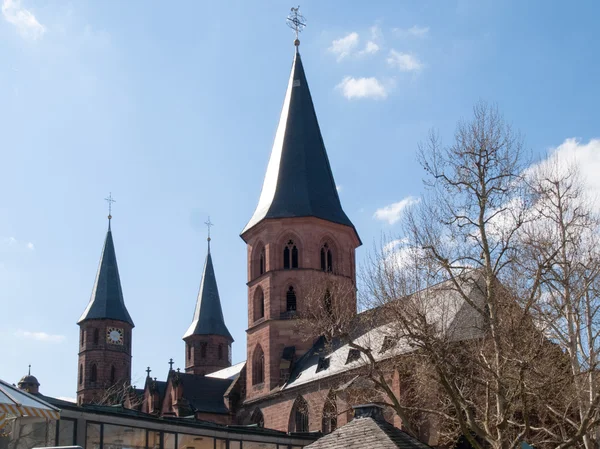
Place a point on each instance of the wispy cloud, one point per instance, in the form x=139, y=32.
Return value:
x=393, y=212
x=30, y=246
x=26, y=23
x=344, y=46
x=40, y=336
x=362, y=88
x=370, y=48
x=414, y=31
x=17, y=245
x=404, y=61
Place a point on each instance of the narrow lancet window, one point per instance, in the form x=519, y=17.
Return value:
x=326, y=258
x=290, y=299
x=261, y=262
x=290, y=255
x=94, y=373
x=258, y=366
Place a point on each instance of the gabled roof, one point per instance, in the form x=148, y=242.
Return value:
x=444, y=306
x=107, y=297
x=299, y=181
x=367, y=432
x=208, y=316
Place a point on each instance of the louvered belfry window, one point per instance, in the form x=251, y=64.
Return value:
x=290, y=299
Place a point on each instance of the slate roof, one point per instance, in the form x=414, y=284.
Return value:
x=369, y=433
x=443, y=305
x=299, y=181
x=231, y=372
x=204, y=394
x=107, y=296
x=208, y=316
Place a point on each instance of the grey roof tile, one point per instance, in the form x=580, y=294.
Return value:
x=107, y=296
x=299, y=181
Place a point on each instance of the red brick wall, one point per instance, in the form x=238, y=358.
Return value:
x=196, y=364
x=104, y=356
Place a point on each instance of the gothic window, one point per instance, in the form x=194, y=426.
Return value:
x=82, y=337
x=189, y=351
x=258, y=366
x=290, y=299
x=220, y=350
x=203, y=349
x=113, y=374
x=96, y=336
x=80, y=374
x=326, y=258
x=261, y=262
x=299, y=418
x=259, y=304
x=257, y=418
x=290, y=255
x=94, y=373
x=329, y=423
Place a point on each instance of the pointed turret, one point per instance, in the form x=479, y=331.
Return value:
x=207, y=340
x=208, y=315
x=299, y=181
x=107, y=297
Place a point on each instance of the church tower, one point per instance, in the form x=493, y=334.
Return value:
x=299, y=235
x=105, y=332
x=207, y=340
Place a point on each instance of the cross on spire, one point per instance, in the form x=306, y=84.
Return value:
x=296, y=22
x=148, y=371
x=109, y=200
x=209, y=225
x=171, y=364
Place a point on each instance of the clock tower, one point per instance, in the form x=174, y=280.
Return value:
x=105, y=335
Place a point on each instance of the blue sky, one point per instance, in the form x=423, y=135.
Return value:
x=173, y=107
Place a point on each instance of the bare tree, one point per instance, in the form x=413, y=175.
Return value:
x=120, y=393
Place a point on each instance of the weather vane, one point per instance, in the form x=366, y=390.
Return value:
x=109, y=200
x=208, y=225
x=296, y=22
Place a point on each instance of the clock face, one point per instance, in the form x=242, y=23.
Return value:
x=114, y=336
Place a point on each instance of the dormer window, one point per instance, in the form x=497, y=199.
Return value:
x=290, y=255
x=326, y=258
x=353, y=355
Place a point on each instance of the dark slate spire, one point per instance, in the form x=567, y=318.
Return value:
x=107, y=297
x=208, y=316
x=299, y=182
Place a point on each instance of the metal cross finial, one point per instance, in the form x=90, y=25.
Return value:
x=109, y=200
x=148, y=371
x=29, y=372
x=171, y=364
x=296, y=22
x=208, y=225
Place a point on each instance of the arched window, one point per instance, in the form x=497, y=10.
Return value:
x=189, y=351
x=329, y=414
x=203, y=346
x=290, y=300
x=94, y=373
x=113, y=374
x=257, y=418
x=80, y=374
x=96, y=336
x=290, y=255
x=82, y=337
x=299, y=417
x=261, y=262
x=326, y=258
x=220, y=352
x=258, y=366
x=259, y=304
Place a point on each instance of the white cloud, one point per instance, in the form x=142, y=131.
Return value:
x=10, y=241
x=362, y=88
x=344, y=46
x=414, y=31
x=586, y=158
x=404, y=61
x=40, y=336
x=393, y=212
x=26, y=23
x=30, y=246
x=370, y=49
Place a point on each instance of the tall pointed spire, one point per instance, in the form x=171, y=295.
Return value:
x=299, y=181
x=208, y=315
x=107, y=296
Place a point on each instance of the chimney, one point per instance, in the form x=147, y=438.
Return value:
x=369, y=411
